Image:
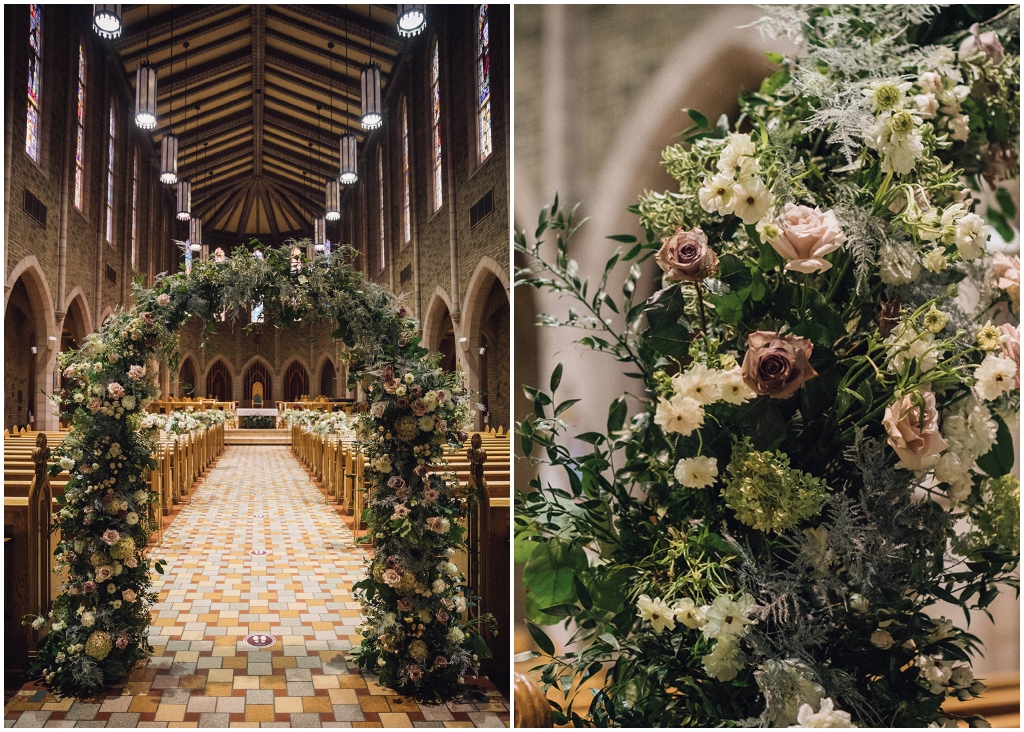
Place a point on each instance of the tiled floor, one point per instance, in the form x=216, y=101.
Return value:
x=215, y=593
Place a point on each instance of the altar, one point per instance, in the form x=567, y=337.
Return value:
x=242, y=412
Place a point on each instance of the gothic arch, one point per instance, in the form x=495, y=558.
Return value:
x=337, y=386
x=289, y=374
x=487, y=270
x=440, y=304
x=188, y=363
x=38, y=367
x=258, y=368
x=107, y=312
x=31, y=273
x=485, y=326
x=77, y=305
x=219, y=379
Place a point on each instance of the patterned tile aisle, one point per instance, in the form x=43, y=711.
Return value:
x=216, y=594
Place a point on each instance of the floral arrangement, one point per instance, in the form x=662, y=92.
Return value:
x=334, y=424
x=824, y=450
x=418, y=634
x=181, y=421
x=97, y=628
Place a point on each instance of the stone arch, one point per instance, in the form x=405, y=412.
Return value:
x=219, y=379
x=107, y=312
x=76, y=307
x=293, y=378
x=328, y=379
x=33, y=317
x=188, y=374
x=485, y=329
x=441, y=332
x=257, y=368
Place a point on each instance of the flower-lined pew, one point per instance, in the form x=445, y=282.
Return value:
x=188, y=444
x=28, y=490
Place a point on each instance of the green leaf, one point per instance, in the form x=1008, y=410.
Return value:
x=583, y=593
x=668, y=334
x=698, y=119
x=624, y=238
x=999, y=460
x=1005, y=199
x=775, y=57
x=549, y=575
x=525, y=656
x=616, y=415
x=556, y=378
x=541, y=639
x=565, y=405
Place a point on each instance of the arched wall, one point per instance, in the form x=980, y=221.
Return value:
x=474, y=313
x=47, y=337
x=77, y=304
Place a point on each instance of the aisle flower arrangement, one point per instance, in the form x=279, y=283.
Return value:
x=824, y=446
x=418, y=630
x=97, y=629
x=329, y=424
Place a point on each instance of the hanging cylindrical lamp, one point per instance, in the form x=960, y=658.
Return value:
x=184, y=200
x=106, y=20
x=372, y=117
x=412, y=19
x=169, y=159
x=333, y=201
x=319, y=234
x=145, y=96
x=349, y=172
x=195, y=234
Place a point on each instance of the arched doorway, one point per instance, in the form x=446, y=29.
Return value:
x=296, y=382
x=494, y=358
x=446, y=342
x=257, y=373
x=19, y=359
x=187, y=378
x=439, y=331
x=218, y=382
x=327, y=378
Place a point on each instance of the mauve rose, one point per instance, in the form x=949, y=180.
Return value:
x=419, y=408
x=110, y=536
x=685, y=257
x=1007, y=273
x=403, y=402
x=442, y=616
x=104, y=573
x=777, y=365
x=88, y=586
x=805, y=236
x=396, y=482
x=415, y=673
x=441, y=396
x=415, y=391
x=390, y=385
x=914, y=434
x=1009, y=337
x=147, y=318
x=441, y=425
x=441, y=662
x=129, y=595
x=421, y=470
x=405, y=604
x=122, y=642
x=463, y=436
x=388, y=372
x=986, y=43
x=430, y=495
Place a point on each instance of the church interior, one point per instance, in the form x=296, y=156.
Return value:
x=144, y=140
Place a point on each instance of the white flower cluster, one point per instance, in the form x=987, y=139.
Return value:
x=737, y=187
x=896, y=131
x=949, y=226
x=695, y=388
x=725, y=620
x=970, y=431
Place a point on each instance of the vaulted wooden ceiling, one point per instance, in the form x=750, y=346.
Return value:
x=256, y=74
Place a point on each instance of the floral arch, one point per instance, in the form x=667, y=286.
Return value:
x=418, y=635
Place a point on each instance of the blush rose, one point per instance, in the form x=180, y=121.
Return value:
x=805, y=236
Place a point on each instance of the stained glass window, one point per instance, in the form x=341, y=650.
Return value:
x=380, y=186
x=80, y=131
x=406, y=216
x=483, y=80
x=35, y=72
x=135, y=201
x=435, y=94
x=110, y=178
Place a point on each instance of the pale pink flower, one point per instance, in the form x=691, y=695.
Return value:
x=912, y=423
x=392, y=578
x=110, y=537
x=1009, y=338
x=104, y=573
x=419, y=408
x=1007, y=273
x=88, y=586
x=115, y=390
x=129, y=595
x=430, y=495
x=136, y=372
x=131, y=562
x=438, y=524
x=805, y=236
x=415, y=673
x=122, y=642
x=94, y=404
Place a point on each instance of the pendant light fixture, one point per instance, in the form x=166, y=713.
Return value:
x=372, y=118
x=169, y=144
x=106, y=20
x=412, y=19
x=333, y=192
x=348, y=172
x=184, y=186
x=145, y=89
x=195, y=234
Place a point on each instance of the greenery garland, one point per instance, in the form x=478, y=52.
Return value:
x=419, y=637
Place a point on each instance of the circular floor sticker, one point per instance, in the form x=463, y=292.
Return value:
x=259, y=552
x=257, y=515
x=260, y=641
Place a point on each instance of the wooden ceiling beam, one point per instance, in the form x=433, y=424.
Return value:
x=300, y=161
x=199, y=91
x=227, y=206
x=285, y=202
x=206, y=183
x=342, y=121
x=230, y=154
x=165, y=105
x=271, y=216
x=303, y=68
x=232, y=126
x=352, y=24
x=328, y=146
x=219, y=144
x=306, y=130
x=259, y=50
x=211, y=69
x=219, y=192
x=333, y=34
x=243, y=222
x=177, y=20
x=194, y=51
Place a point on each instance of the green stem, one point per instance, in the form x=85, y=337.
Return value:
x=700, y=312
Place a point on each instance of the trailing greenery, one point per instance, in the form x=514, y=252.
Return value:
x=761, y=539
x=97, y=629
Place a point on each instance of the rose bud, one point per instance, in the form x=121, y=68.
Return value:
x=685, y=257
x=777, y=365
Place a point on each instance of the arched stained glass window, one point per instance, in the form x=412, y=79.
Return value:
x=406, y=215
x=110, y=177
x=380, y=187
x=35, y=73
x=80, y=132
x=483, y=81
x=135, y=220
x=435, y=107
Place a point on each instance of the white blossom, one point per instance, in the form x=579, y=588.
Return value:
x=995, y=377
x=656, y=612
x=696, y=472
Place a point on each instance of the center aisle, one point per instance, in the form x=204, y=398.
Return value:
x=297, y=597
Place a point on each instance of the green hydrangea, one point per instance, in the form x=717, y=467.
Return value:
x=997, y=517
x=406, y=428
x=766, y=493
x=98, y=645
x=124, y=548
